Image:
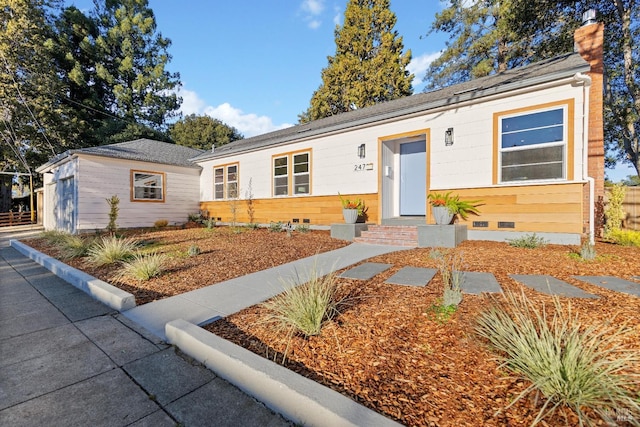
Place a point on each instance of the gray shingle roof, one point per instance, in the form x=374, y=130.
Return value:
x=539, y=72
x=145, y=150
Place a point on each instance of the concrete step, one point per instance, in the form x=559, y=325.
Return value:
x=390, y=235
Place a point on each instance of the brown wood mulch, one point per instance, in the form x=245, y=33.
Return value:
x=385, y=349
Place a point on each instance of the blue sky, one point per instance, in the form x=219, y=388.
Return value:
x=255, y=64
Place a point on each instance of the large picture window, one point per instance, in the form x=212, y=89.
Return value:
x=225, y=182
x=292, y=174
x=147, y=186
x=533, y=145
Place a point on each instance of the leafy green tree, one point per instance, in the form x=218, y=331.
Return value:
x=368, y=67
x=132, y=60
x=202, y=132
x=32, y=119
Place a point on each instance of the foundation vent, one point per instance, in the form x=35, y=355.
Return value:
x=480, y=224
x=503, y=224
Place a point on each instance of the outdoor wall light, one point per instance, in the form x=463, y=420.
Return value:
x=448, y=137
x=361, y=151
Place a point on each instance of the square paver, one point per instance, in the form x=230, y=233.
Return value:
x=551, y=286
x=613, y=284
x=477, y=283
x=167, y=376
x=412, y=276
x=78, y=305
x=365, y=271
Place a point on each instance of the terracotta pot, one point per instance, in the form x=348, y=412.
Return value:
x=350, y=215
x=441, y=215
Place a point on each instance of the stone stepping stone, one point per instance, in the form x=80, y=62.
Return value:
x=551, y=286
x=365, y=271
x=613, y=284
x=477, y=283
x=412, y=276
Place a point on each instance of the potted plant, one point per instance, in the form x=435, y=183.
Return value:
x=445, y=207
x=351, y=209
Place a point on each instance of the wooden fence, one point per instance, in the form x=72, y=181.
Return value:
x=631, y=206
x=8, y=219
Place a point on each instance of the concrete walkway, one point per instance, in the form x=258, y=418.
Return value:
x=225, y=298
x=67, y=359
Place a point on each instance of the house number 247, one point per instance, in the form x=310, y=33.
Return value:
x=363, y=167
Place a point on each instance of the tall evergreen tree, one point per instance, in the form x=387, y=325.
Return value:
x=368, y=67
x=202, y=132
x=133, y=59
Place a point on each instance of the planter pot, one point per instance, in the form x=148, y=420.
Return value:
x=441, y=215
x=350, y=215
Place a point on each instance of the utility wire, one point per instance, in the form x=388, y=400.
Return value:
x=13, y=142
x=27, y=105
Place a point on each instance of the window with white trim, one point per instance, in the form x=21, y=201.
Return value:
x=292, y=174
x=533, y=145
x=281, y=176
x=225, y=182
x=147, y=186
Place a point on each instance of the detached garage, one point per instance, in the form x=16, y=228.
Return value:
x=153, y=180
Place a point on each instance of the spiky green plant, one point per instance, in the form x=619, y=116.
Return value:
x=111, y=249
x=303, y=309
x=143, y=267
x=572, y=365
x=54, y=237
x=193, y=250
x=588, y=251
x=73, y=246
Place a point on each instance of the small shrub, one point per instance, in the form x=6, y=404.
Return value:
x=614, y=210
x=624, y=237
x=276, y=227
x=450, y=264
x=113, y=202
x=161, y=223
x=570, y=364
x=303, y=309
x=210, y=223
x=528, y=241
x=588, y=251
x=144, y=267
x=302, y=228
x=111, y=249
x=193, y=250
x=252, y=226
x=194, y=217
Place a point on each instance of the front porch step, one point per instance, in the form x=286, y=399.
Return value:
x=405, y=235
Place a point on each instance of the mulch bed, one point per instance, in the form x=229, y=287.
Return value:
x=386, y=350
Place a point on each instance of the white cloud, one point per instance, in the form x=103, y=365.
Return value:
x=311, y=10
x=419, y=65
x=249, y=124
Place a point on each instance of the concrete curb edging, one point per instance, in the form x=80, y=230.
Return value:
x=297, y=398
x=102, y=291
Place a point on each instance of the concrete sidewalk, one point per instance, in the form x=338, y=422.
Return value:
x=67, y=359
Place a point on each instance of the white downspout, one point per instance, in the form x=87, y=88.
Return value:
x=586, y=82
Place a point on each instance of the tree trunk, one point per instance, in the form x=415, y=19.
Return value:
x=5, y=193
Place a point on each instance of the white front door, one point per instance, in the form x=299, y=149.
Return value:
x=413, y=178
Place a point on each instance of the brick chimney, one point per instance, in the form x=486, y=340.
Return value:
x=588, y=40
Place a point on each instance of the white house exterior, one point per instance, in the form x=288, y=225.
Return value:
x=526, y=142
x=153, y=180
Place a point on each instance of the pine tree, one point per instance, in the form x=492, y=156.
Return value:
x=133, y=58
x=368, y=67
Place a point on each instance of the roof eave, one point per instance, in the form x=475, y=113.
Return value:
x=461, y=98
